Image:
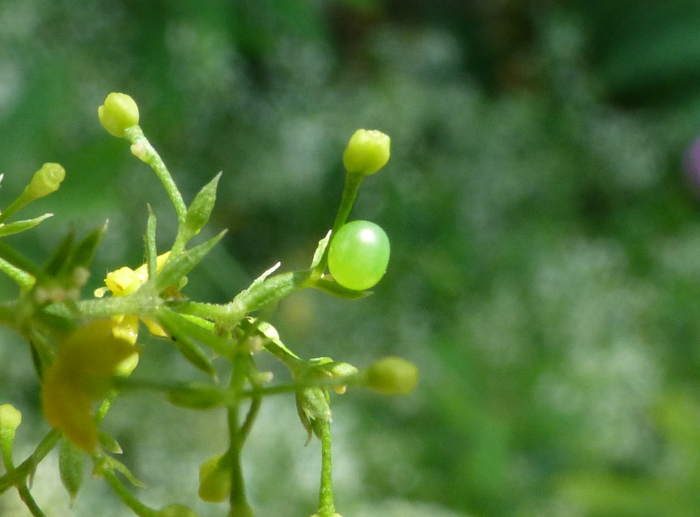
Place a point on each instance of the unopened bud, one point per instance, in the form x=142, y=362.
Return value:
x=392, y=376
x=118, y=113
x=214, y=481
x=45, y=181
x=367, y=152
x=10, y=418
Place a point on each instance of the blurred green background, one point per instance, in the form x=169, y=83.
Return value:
x=541, y=204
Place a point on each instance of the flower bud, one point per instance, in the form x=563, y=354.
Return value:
x=45, y=181
x=392, y=376
x=177, y=510
x=214, y=481
x=118, y=113
x=367, y=152
x=10, y=418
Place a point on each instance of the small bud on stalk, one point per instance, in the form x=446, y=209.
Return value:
x=392, y=376
x=118, y=113
x=367, y=152
x=45, y=181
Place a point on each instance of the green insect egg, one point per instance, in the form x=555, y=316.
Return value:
x=358, y=255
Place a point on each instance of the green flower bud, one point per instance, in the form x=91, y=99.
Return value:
x=45, y=181
x=214, y=481
x=392, y=376
x=10, y=418
x=367, y=152
x=118, y=113
x=177, y=510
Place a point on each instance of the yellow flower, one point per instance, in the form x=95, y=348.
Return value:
x=86, y=360
x=125, y=281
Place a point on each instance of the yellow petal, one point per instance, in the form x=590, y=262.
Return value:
x=154, y=327
x=126, y=328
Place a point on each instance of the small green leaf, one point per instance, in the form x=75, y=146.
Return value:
x=199, y=211
x=114, y=464
x=70, y=466
x=21, y=226
x=337, y=290
x=150, y=238
x=196, y=396
x=185, y=324
x=177, y=267
x=188, y=348
x=320, y=250
x=313, y=405
x=60, y=255
x=85, y=250
x=109, y=442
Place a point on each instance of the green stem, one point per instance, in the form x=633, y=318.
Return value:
x=20, y=202
x=29, y=501
x=18, y=475
x=127, y=497
x=237, y=499
x=326, y=506
x=352, y=187
x=22, y=278
x=151, y=157
x=259, y=296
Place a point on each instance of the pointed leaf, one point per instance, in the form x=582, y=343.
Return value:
x=320, y=250
x=70, y=466
x=109, y=442
x=337, y=290
x=115, y=464
x=205, y=336
x=177, y=267
x=21, y=226
x=60, y=255
x=85, y=250
x=199, y=211
x=188, y=348
x=150, y=238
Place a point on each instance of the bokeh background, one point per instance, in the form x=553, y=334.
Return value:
x=542, y=203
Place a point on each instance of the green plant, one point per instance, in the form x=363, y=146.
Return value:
x=84, y=350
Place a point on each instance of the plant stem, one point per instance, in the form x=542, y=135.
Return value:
x=237, y=499
x=352, y=187
x=29, y=501
x=326, y=506
x=22, y=278
x=127, y=497
x=149, y=155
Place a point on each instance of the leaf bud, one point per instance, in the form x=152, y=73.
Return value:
x=118, y=113
x=367, y=152
x=214, y=481
x=392, y=376
x=45, y=181
x=10, y=418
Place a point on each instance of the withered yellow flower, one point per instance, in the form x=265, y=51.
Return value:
x=86, y=360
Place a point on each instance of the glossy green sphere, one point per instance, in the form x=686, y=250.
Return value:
x=358, y=255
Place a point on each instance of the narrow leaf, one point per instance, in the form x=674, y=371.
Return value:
x=85, y=250
x=188, y=348
x=70, y=466
x=109, y=442
x=177, y=267
x=204, y=335
x=337, y=290
x=200, y=210
x=21, y=226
